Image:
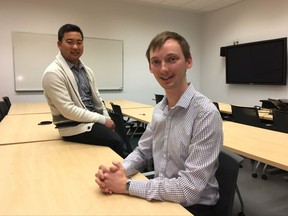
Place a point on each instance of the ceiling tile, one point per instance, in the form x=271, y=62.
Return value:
x=200, y=6
x=210, y=5
x=176, y=3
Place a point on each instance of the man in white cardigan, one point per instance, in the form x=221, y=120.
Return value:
x=75, y=103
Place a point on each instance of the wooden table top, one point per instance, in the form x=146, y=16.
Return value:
x=25, y=128
x=260, y=144
x=140, y=114
x=57, y=178
x=263, y=145
x=29, y=108
x=125, y=104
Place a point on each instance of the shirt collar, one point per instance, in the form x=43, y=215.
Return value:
x=71, y=65
x=184, y=100
x=186, y=97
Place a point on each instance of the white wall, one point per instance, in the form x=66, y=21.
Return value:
x=248, y=21
x=135, y=25
x=251, y=20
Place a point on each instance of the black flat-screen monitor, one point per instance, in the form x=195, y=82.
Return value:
x=261, y=62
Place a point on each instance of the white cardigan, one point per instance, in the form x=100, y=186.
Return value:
x=61, y=92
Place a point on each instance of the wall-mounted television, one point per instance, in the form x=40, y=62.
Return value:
x=261, y=62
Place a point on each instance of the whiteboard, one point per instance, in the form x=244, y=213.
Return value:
x=33, y=52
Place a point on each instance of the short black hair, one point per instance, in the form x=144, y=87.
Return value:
x=68, y=28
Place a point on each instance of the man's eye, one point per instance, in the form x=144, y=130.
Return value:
x=155, y=62
x=172, y=59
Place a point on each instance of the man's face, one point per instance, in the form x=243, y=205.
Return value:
x=169, y=66
x=71, y=46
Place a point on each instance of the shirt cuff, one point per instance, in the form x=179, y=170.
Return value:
x=138, y=188
x=102, y=120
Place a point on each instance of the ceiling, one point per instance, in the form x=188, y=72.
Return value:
x=198, y=6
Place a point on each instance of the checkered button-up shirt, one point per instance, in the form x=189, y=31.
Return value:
x=184, y=142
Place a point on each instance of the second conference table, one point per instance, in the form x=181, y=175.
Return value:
x=267, y=146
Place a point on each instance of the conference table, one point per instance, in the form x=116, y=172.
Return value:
x=57, y=178
x=29, y=108
x=43, y=107
x=41, y=174
x=267, y=146
x=25, y=129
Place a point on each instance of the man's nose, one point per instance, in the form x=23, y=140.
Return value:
x=163, y=66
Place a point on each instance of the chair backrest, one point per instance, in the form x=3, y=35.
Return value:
x=158, y=98
x=116, y=109
x=121, y=130
x=7, y=101
x=280, y=120
x=279, y=104
x=267, y=104
x=3, y=108
x=1, y=116
x=217, y=105
x=246, y=115
x=227, y=175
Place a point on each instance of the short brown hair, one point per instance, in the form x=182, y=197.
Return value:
x=161, y=38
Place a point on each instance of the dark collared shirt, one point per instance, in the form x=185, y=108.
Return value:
x=83, y=84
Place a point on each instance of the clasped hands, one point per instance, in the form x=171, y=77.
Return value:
x=111, y=179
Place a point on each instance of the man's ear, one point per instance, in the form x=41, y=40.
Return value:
x=189, y=63
x=58, y=44
x=150, y=68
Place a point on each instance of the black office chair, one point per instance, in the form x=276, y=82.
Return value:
x=267, y=104
x=7, y=101
x=217, y=105
x=246, y=115
x=133, y=127
x=1, y=116
x=280, y=120
x=117, y=109
x=226, y=176
x=158, y=97
x=249, y=116
x=3, y=108
x=121, y=130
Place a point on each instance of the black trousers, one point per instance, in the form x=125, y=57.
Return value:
x=100, y=135
x=201, y=210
